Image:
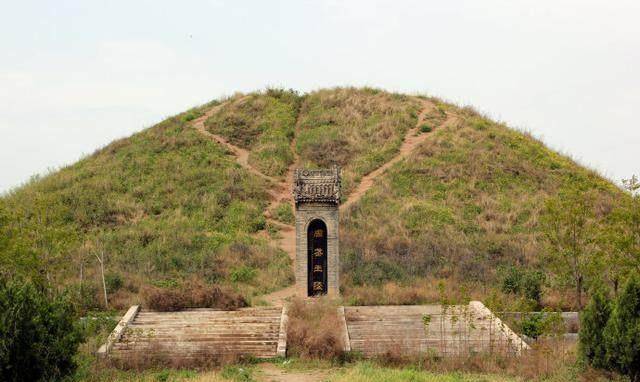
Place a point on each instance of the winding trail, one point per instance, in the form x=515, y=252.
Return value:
x=280, y=191
x=242, y=155
x=412, y=139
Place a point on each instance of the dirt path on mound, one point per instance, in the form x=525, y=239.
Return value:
x=280, y=191
x=287, y=240
x=271, y=373
x=412, y=139
x=242, y=155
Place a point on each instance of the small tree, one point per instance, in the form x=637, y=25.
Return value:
x=37, y=335
x=567, y=222
x=622, y=333
x=593, y=320
x=627, y=229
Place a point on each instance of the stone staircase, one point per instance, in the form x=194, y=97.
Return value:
x=197, y=334
x=206, y=335
x=449, y=331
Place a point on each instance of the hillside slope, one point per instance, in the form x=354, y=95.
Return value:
x=171, y=204
x=164, y=205
x=462, y=207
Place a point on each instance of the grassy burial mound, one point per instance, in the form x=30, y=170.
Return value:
x=163, y=206
x=357, y=129
x=463, y=214
x=170, y=206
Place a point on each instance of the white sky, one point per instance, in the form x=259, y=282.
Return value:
x=74, y=75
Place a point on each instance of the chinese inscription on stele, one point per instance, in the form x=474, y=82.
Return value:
x=317, y=196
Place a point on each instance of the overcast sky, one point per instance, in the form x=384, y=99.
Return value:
x=74, y=75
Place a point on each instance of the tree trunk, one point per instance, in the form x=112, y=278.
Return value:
x=579, y=293
x=81, y=277
x=104, y=284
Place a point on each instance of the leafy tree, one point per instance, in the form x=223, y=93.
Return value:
x=622, y=332
x=626, y=232
x=593, y=320
x=38, y=338
x=523, y=281
x=532, y=285
x=546, y=322
x=568, y=223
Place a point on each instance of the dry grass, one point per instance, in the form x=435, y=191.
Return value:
x=552, y=359
x=465, y=203
x=313, y=329
x=193, y=294
x=358, y=129
x=418, y=292
x=156, y=356
x=262, y=122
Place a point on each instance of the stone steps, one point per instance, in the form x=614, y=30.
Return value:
x=406, y=330
x=197, y=334
x=206, y=334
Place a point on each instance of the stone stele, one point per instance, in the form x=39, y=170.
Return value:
x=317, y=198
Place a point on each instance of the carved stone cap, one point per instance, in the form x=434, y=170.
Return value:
x=317, y=186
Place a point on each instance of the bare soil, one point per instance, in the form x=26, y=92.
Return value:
x=271, y=373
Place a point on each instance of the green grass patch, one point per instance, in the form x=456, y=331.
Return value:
x=284, y=213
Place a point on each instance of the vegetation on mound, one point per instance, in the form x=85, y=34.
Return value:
x=161, y=206
x=466, y=204
x=193, y=294
x=263, y=123
x=357, y=129
x=451, y=222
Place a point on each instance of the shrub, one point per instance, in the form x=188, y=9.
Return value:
x=622, y=333
x=192, y=295
x=313, y=329
x=38, y=339
x=533, y=325
x=537, y=324
x=243, y=274
x=523, y=281
x=511, y=280
x=425, y=128
x=532, y=285
x=284, y=213
x=113, y=282
x=592, y=323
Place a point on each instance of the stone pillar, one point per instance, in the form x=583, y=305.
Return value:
x=317, y=197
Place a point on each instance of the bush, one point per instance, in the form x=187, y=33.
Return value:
x=511, y=280
x=622, y=333
x=537, y=324
x=592, y=323
x=113, y=282
x=284, y=213
x=193, y=295
x=38, y=339
x=533, y=325
x=312, y=331
x=524, y=282
x=243, y=274
x=425, y=128
x=532, y=285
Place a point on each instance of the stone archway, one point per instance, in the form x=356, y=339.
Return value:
x=317, y=258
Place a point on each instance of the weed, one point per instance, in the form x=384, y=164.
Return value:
x=311, y=332
x=425, y=128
